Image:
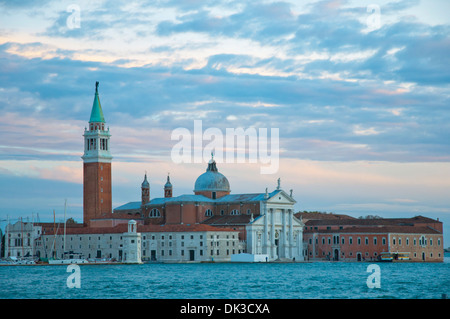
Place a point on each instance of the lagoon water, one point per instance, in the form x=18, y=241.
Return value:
x=318, y=280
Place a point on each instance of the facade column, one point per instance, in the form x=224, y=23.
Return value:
x=266, y=230
x=272, y=234
x=284, y=242
x=291, y=234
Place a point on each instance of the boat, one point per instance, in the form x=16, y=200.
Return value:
x=17, y=261
x=68, y=257
x=73, y=258
x=394, y=256
x=67, y=261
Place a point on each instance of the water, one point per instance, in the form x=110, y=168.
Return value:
x=319, y=280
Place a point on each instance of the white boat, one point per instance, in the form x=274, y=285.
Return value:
x=17, y=261
x=67, y=261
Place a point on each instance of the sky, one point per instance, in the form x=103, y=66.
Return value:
x=358, y=91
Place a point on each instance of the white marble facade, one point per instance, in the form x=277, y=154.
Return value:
x=276, y=232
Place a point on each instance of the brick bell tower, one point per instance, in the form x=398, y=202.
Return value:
x=97, y=201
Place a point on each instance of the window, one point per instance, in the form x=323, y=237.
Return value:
x=350, y=241
x=154, y=213
x=208, y=213
x=359, y=240
x=249, y=211
x=235, y=212
x=343, y=241
x=384, y=240
x=213, y=195
x=222, y=212
x=374, y=240
x=367, y=241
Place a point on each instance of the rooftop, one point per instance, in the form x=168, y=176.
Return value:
x=123, y=228
x=97, y=112
x=379, y=230
x=232, y=198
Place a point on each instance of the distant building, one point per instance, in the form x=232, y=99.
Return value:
x=351, y=239
x=135, y=243
x=20, y=239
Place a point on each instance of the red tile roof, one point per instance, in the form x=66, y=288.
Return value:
x=371, y=222
x=378, y=230
x=123, y=228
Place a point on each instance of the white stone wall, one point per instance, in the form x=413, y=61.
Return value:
x=276, y=233
x=88, y=245
x=166, y=246
x=190, y=246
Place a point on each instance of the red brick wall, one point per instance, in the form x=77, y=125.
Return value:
x=96, y=203
x=346, y=250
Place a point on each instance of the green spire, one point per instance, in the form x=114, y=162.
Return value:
x=97, y=113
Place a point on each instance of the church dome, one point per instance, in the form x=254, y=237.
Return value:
x=212, y=180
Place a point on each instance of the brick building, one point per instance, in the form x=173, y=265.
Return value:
x=340, y=237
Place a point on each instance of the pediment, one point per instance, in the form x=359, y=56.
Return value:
x=280, y=197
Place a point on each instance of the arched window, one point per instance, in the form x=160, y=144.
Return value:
x=154, y=213
x=235, y=212
x=208, y=213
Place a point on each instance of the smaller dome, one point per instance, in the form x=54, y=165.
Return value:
x=145, y=183
x=168, y=184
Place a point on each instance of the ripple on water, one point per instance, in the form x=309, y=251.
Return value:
x=248, y=281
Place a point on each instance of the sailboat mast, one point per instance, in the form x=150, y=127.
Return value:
x=7, y=240
x=65, y=204
x=21, y=230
